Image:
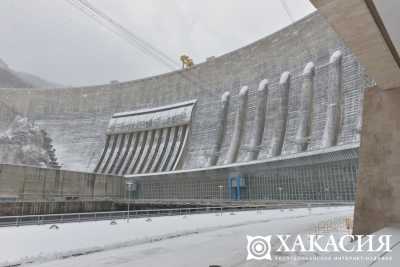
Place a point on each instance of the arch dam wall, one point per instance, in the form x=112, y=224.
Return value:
x=77, y=118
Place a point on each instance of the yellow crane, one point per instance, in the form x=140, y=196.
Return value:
x=187, y=62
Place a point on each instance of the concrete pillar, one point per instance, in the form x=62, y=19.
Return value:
x=378, y=182
x=132, y=151
x=238, y=130
x=259, y=120
x=170, y=147
x=146, y=151
x=134, y=158
x=182, y=144
x=155, y=165
x=118, y=152
x=125, y=153
x=111, y=152
x=153, y=151
x=177, y=147
x=306, y=109
x=334, y=112
x=103, y=155
x=359, y=122
x=281, y=116
x=221, y=127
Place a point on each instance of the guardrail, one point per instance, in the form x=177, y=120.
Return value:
x=223, y=201
x=28, y=197
x=132, y=214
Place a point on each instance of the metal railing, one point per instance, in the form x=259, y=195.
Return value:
x=133, y=214
x=34, y=197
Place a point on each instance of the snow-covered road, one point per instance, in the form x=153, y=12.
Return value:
x=195, y=240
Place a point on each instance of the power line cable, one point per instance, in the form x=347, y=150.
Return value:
x=97, y=19
x=123, y=33
x=139, y=40
x=116, y=28
x=287, y=10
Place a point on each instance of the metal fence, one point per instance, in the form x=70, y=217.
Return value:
x=327, y=175
x=321, y=177
x=148, y=213
x=325, y=182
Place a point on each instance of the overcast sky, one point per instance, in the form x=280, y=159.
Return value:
x=52, y=39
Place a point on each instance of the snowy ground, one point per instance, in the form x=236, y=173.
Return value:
x=195, y=240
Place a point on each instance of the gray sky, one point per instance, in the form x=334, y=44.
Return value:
x=52, y=39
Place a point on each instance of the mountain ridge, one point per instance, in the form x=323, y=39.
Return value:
x=10, y=78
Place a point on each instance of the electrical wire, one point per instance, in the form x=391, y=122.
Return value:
x=106, y=21
x=130, y=34
x=116, y=28
x=287, y=10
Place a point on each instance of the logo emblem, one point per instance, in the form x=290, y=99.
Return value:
x=258, y=247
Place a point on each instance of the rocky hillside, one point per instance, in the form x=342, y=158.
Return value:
x=10, y=78
x=24, y=143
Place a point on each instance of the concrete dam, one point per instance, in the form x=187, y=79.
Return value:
x=277, y=119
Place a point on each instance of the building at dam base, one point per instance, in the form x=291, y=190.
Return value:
x=278, y=119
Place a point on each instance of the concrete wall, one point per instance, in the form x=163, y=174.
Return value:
x=76, y=118
x=31, y=183
x=378, y=185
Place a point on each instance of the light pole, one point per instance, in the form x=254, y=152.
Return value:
x=220, y=187
x=326, y=193
x=129, y=184
x=280, y=193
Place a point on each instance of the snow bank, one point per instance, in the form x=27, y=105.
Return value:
x=39, y=243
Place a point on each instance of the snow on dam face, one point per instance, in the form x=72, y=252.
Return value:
x=312, y=97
